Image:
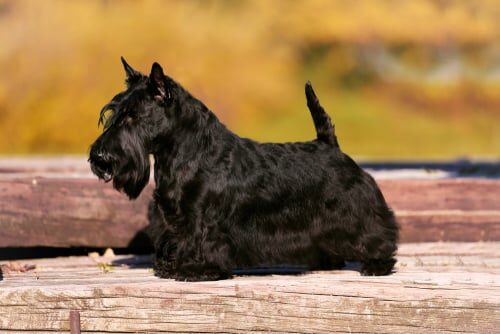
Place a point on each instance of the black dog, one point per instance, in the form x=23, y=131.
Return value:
x=223, y=202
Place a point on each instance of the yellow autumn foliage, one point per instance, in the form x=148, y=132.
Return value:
x=401, y=79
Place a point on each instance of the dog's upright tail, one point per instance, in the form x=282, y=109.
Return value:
x=325, y=130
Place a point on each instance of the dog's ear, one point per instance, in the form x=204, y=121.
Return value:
x=158, y=83
x=131, y=73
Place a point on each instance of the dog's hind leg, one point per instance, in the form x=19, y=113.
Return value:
x=378, y=258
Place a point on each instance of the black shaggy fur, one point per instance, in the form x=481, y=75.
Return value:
x=223, y=202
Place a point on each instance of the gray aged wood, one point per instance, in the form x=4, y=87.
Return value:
x=58, y=203
x=438, y=287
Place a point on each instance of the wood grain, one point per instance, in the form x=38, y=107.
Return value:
x=438, y=287
x=43, y=203
x=63, y=212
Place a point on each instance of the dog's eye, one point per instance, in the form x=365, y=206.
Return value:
x=129, y=118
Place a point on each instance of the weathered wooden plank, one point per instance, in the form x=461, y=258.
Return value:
x=44, y=203
x=443, y=194
x=84, y=212
x=445, y=210
x=449, y=225
x=68, y=212
x=431, y=292
x=381, y=169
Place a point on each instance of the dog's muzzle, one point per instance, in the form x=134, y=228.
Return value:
x=101, y=166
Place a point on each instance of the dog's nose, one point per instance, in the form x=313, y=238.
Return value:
x=101, y=165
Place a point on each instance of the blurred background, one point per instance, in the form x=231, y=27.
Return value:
x=401, y=79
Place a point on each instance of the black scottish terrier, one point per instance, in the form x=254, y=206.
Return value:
x=223, y=202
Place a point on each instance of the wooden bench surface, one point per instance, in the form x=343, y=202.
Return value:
x=58, y=203
x=438, y=288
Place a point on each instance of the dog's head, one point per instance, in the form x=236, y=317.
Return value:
x=134, y=120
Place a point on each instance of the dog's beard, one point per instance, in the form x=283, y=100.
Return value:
x=132, y=173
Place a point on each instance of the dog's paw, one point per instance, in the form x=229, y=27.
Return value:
x=200, y=277
x=377, y=267
x=162, y=273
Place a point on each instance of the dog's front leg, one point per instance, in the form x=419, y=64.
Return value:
x=162, y=235
x=200, y=258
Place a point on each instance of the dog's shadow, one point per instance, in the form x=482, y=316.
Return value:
x=290, y=270
x=146, y=261
x=142, y=243
x=352, y=266
x=135, y=261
